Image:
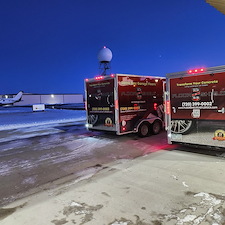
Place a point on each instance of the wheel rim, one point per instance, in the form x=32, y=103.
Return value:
x=144, y=130
x=156, y=128
x=180, y=126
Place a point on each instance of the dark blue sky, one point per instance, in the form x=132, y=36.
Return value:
x=51, y=46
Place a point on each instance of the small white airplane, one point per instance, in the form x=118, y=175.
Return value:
x=10, y=101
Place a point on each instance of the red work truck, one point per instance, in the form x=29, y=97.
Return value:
x=195, y=106
x=125, y=103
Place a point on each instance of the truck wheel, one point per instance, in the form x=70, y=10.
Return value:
x=156, y=127
x=143, y=130
x=181, y=126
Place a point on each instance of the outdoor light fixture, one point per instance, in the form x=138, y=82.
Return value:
x=196, y=70
x=99, y=78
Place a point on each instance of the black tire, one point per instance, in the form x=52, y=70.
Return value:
x=156, y=127
x=182, y=126
x=144, y=130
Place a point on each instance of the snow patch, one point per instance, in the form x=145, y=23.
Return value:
x=174, y=177
x=207, y=198
x=29, y=180
x=184, y=184
x=75, y=204
x=35, y=124
x=186, y=219
x=120, y=223
x=24, y=117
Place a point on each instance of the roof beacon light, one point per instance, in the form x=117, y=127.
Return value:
x=196, y=71
x=99, y=78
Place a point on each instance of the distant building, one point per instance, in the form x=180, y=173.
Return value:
x=49, y=99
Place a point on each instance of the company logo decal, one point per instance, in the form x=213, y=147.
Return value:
x=139, y=93
x=108, y=122
x=196, y=94
x=219, y=135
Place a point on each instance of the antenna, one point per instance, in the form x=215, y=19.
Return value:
x=104, y=58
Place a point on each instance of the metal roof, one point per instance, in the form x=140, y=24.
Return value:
x=218, y=4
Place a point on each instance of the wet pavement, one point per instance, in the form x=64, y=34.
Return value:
x=60, y=153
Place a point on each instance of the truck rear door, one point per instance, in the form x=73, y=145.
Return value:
x=100, y=106
x=140, y=98
x=198, y=109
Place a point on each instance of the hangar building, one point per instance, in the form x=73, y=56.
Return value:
x=48, y=99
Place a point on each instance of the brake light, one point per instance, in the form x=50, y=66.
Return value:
x=112, y=75
x=196, y=71
x=86, y=80
x=136, y=107
x=155, y=106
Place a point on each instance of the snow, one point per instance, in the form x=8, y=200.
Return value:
x=30, y=124
x=188, y=218
x=75, y=204
x=120, y=223
x=208, y=198
x=27, y=124
x=21, y=117
x=184, y=184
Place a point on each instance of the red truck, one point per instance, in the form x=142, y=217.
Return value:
x=124, y=103
x=195, y=106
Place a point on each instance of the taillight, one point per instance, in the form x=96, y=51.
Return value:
x=99, y=78
x=123, y=127
x=155, y=106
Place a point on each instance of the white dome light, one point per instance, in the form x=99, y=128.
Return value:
x=105, y=55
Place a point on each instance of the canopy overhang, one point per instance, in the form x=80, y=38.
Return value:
x=218, y=4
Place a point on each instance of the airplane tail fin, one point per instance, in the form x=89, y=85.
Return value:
x=18, y=96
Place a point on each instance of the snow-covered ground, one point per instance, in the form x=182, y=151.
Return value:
x=21, y=122
x=23, y=117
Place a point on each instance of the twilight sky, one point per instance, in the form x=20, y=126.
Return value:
x=51, y=46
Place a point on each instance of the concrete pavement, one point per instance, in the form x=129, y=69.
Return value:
x=163, y=187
